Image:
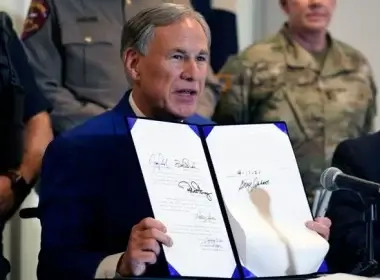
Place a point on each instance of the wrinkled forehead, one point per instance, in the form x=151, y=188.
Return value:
x=186, y=34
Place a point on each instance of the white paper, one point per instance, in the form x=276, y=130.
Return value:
x=265, y=199
x=183, y=198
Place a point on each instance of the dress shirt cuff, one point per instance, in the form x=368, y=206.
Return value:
x=107, y=268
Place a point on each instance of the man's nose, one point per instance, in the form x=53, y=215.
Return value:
x=315, y=3
x=191, y=70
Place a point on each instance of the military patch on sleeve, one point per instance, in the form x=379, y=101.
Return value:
x=37, y=15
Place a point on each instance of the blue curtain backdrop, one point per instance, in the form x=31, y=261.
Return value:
x=221, y=16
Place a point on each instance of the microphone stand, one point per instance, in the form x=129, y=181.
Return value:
x=368, y=267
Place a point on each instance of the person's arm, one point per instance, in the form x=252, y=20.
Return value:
x=37, y=132
x=38, y=135
x=42, y=41
x=348, y=231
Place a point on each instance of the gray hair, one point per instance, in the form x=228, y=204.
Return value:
x=139, y=30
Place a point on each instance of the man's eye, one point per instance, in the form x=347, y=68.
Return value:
x=177, y=56
x=201, y=58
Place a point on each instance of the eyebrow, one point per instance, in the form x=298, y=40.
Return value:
x=182, y=51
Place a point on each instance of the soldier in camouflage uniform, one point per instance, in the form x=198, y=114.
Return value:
x=323, y=89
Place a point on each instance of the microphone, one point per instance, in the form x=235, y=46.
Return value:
x=333, y=179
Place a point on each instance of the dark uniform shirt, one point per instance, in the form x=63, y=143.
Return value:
x=34, y=101
x=74, y=48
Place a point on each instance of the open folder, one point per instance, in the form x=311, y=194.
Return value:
x=231, y=197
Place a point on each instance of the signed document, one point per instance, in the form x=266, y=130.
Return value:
x=183, y=198
x=258, y=177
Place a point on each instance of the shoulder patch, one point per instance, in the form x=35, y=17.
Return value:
x=36, y=17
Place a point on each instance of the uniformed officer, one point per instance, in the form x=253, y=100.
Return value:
x=16, y=182
x=74, y=48
x=320, y=86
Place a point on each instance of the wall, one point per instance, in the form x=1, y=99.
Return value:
x=17, y=9
x=353, y=23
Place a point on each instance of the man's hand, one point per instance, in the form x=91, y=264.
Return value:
x=6, y=195
x=143, y=247
x=321, y=226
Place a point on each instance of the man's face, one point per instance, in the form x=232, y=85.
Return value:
x=309, y=15
x=172, y=74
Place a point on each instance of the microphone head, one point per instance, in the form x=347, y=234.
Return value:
x=327, y=178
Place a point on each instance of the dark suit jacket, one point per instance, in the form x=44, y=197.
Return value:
x=359, y=157
x=92, y=194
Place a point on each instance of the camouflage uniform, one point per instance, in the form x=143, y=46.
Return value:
x=323, y=101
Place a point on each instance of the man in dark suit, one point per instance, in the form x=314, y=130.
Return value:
x=359, y=157
x=93, y=201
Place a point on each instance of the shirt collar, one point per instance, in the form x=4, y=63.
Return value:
x=336, y=59
x=135, y=109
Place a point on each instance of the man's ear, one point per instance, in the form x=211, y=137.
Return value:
x=131, y=60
